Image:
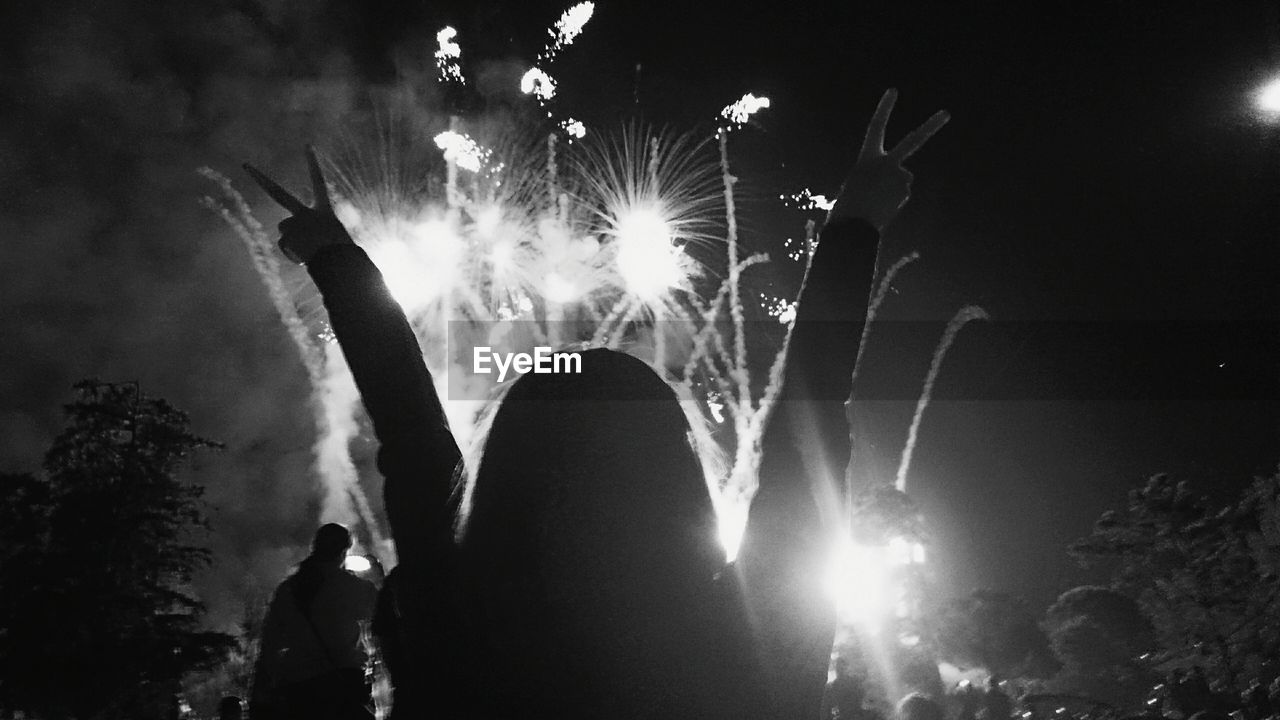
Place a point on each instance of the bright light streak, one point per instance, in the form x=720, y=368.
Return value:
x=741, y=111
x=648, y=262
x=539, y=84
x=357, y=564
x=731, y=525
x=462, y=150
x=1268, y=99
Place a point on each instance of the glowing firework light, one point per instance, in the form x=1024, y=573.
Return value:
x=740, y=112
x=448, y=55
x=333, y=403
x=462, y=150
x=806, y=200
x=963, y=316
x=538, y=83
x=567, y=29
x=538, y=250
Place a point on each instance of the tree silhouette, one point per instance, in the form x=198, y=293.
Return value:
x=993, y=630
x=1207, y=577
x=1103, y=639
x=97, y=559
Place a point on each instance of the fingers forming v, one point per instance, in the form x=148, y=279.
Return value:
x=277, y=193
x=918, y=137
x=317, y=180
x=873, y=143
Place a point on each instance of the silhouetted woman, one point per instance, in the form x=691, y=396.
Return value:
x=588, y=581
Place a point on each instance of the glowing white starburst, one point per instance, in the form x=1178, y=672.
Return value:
x=648, y=262
x=538, y=83
x=420, y=259
x=460, y=149
x=448, y=54
x=740, y=112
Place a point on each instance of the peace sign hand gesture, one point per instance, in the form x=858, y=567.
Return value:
x=878, y=186
x=307, y=229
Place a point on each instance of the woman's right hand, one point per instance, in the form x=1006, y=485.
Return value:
x=307, y=229
x=878, y=186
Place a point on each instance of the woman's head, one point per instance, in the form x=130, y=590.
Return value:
x=591, y=530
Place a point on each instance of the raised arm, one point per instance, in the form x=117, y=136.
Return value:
x=806, y=445
x=417, y=454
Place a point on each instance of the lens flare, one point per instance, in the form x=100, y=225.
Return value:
x=1267, y=98
x=858, y=582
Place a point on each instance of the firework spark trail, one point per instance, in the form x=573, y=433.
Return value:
x=965, y=314
x=338, y=403
x=873, y=306
x=240, y=217
x=745, y=461
x=335, y=427
x=882, y=291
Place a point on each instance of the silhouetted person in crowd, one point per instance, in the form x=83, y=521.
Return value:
x=918, y=707
x=388, y=628
x=969, y=700
x=996, y=704
x=844, y=695
x=230, y=708
x=585, y=579
x=312, y=660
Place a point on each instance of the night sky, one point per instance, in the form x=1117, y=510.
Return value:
x=1105, y=191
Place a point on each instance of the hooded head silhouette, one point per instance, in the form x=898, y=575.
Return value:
x=592, y=544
